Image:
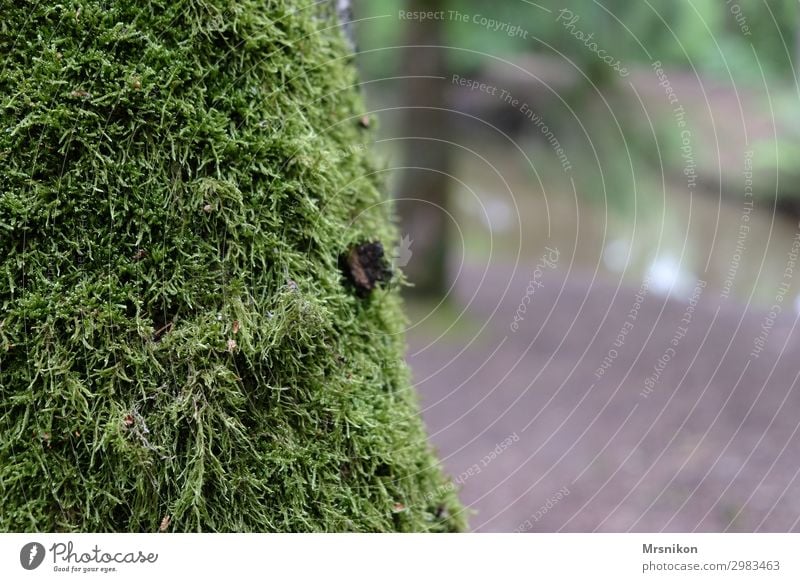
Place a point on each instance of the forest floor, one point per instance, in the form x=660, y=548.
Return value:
x=539, y=440
x=693, y=422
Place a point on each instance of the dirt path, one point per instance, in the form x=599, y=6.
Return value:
x=528, y=423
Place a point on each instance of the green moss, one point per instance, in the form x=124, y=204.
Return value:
x=177, y=182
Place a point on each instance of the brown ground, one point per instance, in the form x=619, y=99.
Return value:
x=714, y=447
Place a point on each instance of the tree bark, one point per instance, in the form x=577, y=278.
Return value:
x=424, y=185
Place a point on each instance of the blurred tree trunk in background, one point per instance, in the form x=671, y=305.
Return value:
x=600, y=74
x=422, y=193
x=796, y=55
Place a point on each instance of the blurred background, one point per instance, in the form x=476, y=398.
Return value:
x=598, y=207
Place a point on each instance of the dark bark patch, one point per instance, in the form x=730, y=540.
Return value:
x=365, y=266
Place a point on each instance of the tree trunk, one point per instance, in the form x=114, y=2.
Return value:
x=195, y=330
x=423, y=192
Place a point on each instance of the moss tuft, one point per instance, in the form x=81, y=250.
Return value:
x=178, y=349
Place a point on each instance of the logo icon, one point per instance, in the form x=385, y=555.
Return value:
x=31, y=555
x=402, y=253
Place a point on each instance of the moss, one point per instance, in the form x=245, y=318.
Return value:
x=177, y=184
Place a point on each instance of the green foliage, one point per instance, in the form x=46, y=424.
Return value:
x=775, y=157
x=177, y=183
x=713, y=35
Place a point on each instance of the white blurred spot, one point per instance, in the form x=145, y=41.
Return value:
x=495, y=213
x=497, y=216
x=616, y=255
x=667, y=278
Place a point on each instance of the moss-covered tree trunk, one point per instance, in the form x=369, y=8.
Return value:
x=179, y=347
